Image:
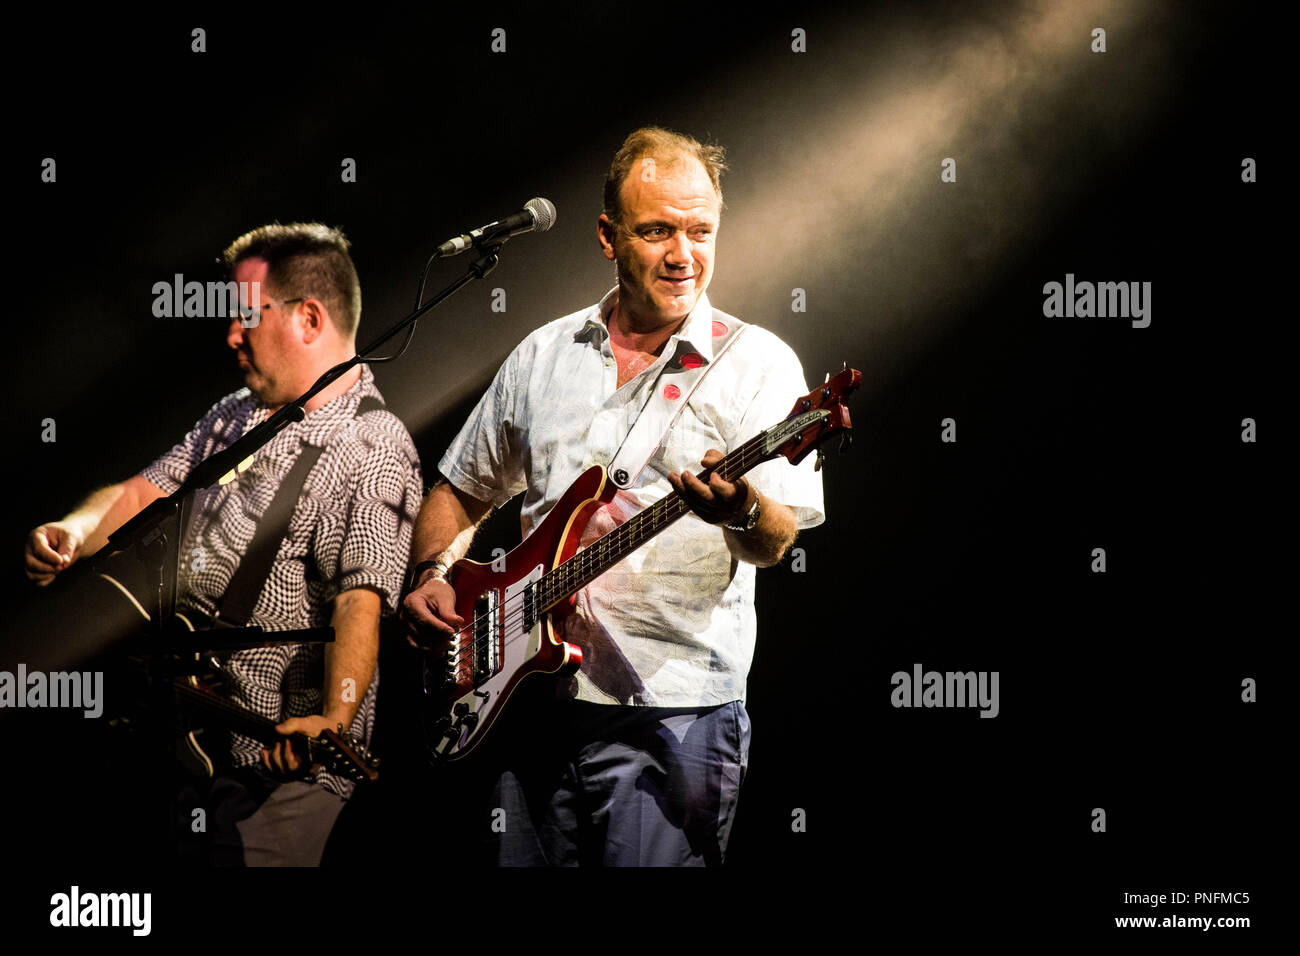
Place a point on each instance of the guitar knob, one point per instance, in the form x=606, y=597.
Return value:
x=460, y=710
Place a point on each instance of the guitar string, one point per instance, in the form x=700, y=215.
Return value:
x=572, y=574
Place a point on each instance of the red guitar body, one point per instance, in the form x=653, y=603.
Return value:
x=512, y=640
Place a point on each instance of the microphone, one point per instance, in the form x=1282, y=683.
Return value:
x=538, y=215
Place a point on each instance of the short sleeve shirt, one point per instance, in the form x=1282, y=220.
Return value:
x=351, y=528
x=672, y=625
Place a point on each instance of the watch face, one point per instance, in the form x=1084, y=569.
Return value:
x=751, y=519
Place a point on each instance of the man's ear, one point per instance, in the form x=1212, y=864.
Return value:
x=312, y=317
x=605, y=230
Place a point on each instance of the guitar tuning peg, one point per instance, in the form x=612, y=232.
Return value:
x=846, y=440
x=821, y=460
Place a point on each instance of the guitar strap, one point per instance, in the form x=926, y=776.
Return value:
x=683, y=374
x=255, y=567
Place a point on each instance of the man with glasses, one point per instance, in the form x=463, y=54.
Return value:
x=348, y=479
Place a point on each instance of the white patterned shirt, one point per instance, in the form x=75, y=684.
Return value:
x=351, y=528
x=673, y=624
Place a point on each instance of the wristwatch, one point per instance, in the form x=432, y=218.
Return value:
x=749, y=520
x=413, y=577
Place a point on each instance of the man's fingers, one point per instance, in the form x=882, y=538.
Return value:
x=43, y=549
x=723, y=489
x=697, y=486
x=49, y=548
x=715, y=500
x=431, y=619
x=281, y=758
x=36, y=565
x=40, y=561
x=421, y=613
x=441, y=600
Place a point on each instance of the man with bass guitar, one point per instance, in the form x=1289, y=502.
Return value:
x=639, y=758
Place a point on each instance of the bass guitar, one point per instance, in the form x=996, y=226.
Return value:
x=515, y=606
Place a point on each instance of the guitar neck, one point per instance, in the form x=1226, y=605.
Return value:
x=594, y=560
x=227, y=712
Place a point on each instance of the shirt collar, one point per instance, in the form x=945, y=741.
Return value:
x=320, y=423
x=697, y=331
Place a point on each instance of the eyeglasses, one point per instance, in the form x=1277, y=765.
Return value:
x=249, y=317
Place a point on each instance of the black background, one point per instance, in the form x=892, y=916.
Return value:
x=1118, y=690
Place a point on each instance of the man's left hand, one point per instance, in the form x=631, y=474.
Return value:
x=717, y=502
x=282, y=760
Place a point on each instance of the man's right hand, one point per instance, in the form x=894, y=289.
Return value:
x=431, y=618
x=52, y=548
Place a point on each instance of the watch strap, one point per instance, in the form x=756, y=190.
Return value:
x=748, y=521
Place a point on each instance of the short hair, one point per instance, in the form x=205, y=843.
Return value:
x=308, y=260
x=665, y=143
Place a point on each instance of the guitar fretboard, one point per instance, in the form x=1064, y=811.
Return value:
x=229, y=713
x=607, y=551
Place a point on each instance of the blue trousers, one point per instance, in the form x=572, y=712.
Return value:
x=604, y=785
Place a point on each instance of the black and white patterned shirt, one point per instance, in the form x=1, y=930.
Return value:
x=351, y=528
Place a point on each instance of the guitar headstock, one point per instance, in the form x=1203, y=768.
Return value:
x=817, y=416
x=342, y=754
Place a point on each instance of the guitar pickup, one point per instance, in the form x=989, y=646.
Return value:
x=530, y=607
x=487, y=636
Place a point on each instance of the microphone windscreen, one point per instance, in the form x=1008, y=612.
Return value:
x=543, y=211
